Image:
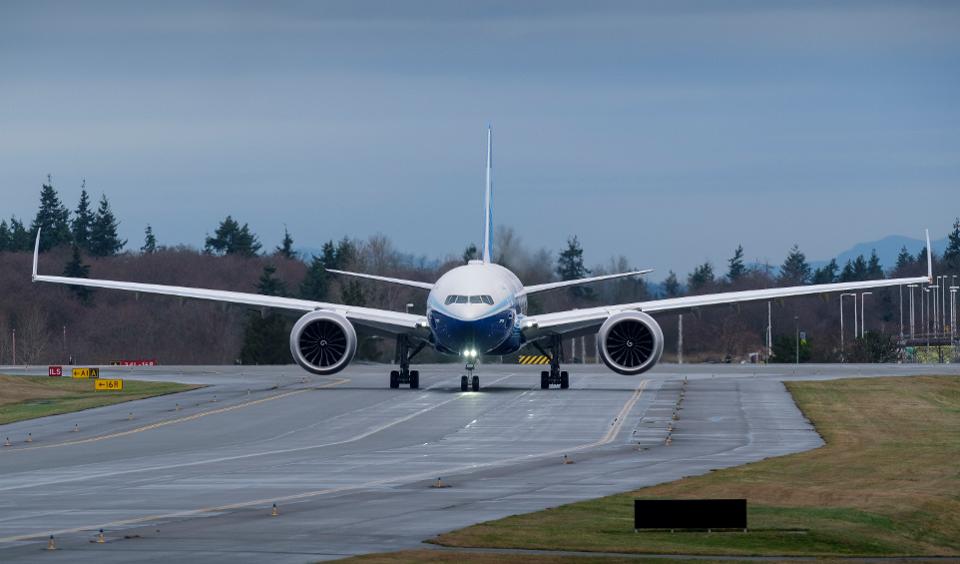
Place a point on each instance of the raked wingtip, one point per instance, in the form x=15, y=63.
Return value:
x=36, y=256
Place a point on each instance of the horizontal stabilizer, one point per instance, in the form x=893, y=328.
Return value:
x=565, y=283
x=401, y=281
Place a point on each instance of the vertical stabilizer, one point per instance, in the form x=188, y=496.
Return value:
x=488, y=201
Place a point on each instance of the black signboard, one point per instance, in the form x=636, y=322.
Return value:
x=689, y=514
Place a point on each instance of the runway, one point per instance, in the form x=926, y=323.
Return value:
x=350, y=463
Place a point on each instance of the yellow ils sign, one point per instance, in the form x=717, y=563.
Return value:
x=111, y=385
x=86, y=372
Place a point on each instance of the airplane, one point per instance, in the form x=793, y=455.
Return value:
x=476, y=310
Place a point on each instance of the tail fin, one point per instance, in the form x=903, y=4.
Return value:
x=488, y=201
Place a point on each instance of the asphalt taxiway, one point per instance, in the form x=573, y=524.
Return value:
x=350, y=463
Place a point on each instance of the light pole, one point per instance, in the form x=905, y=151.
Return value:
x=769, y=330
x=900, y=292
x=863, y=308
x=953, y=315
x=680, y=339
x=14, y=359
x=934, y=307
x=912, y=317
x=943, y=305
x=843, y=349
x=796, y=324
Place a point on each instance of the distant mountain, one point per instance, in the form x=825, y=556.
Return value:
x=887, y=249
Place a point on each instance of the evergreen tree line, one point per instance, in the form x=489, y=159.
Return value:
x=91, y=231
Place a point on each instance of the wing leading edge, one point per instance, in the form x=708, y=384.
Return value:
x=581, y=320
x=385, y=321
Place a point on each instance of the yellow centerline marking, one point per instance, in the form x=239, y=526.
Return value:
x=183, y=419
x=605, y=439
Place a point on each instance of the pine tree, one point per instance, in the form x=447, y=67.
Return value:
x=286, y=247
x=104, y=241
x=826, y=274
x=736, y=269
x=315, y=284
x=904, y=260
x=570, y=267
x=4, y=236
x=700, y=277
x=232, y=239
x=671, y=286
x=795, y=271
x=149, y=241
x=470, y=253
x=76, y=269
x=855, y=270
x=83, y=219
x=52, y=218
x=265, y=336
x=345, y=255
x=951, y=255
x=352, y=294
x=20, y=239
x=874, y=269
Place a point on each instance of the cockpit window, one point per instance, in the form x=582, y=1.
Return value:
x=455, y=299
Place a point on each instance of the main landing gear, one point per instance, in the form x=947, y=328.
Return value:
x=404, y=355
x=470, y=380
x=554, y=375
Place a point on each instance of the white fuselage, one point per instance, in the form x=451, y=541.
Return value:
x=477, y=307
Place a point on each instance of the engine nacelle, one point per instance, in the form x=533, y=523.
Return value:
x=631, y=342
x=323, y=342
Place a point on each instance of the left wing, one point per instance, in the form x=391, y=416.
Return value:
x=383, y=321
x=401, y=281
x=589, y=319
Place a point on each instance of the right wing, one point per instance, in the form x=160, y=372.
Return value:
x=583, y=321
x=380, y=320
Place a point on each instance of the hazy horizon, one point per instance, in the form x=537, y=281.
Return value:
x=666, y=132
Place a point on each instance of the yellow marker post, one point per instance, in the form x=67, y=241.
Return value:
x=108, y=385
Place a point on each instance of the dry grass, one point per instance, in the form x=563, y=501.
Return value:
x=887, y=483
x=449, y=557
x=27, y=397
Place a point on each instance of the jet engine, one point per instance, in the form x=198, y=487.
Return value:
x=631, y=342
x=323, y=342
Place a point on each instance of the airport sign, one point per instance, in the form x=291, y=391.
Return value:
x=55, y=371
x=108, y=385
x=86, y=372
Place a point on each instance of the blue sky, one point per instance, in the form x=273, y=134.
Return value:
x=668, y=132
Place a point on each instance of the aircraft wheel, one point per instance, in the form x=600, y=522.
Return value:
x=564, y=380
x=414, y=379
x=476, y=384
x=463, y=383
x=545, y=380
x=394, y=379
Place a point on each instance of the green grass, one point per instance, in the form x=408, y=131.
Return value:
x=28, y=397
x=887, y=483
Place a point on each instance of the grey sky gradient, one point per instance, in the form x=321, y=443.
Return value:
x=668, y=132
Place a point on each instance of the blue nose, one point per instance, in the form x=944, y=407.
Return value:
x=483, y=334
